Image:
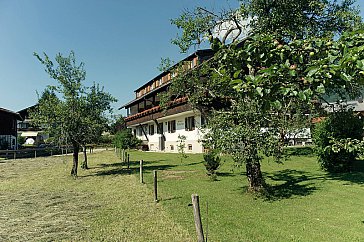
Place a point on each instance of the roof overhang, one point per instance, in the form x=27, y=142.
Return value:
x=16, y=115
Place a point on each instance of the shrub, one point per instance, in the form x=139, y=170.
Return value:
x=338, y=140
x=297, y=151
x=212, y=163
x=124, y=139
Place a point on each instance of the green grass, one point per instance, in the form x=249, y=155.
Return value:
x=39, y=201
x=303, y=203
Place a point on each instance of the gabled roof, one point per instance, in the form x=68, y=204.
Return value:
x=16, y=115
x=25, y=112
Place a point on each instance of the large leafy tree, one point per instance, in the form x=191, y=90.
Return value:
x=254, y=90
x=71, y=112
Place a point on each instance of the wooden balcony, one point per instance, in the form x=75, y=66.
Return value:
x=177, y=106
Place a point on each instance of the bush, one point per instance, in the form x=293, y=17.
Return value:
x=124, y=139
x=297, y=151
x=211, y=162
x=339, y=128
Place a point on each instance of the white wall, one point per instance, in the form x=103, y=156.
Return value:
x=192, y=137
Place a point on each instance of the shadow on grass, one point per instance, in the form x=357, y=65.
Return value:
x=355, y=176
x=291, y=183
x=193, y=163
x=121, y=169
x=226, y=174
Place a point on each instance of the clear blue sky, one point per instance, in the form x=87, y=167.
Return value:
x=121, y=42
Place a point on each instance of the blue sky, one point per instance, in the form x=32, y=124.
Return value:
x=121, y=42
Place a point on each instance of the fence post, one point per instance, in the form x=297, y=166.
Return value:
x=197, y=217
x=128, y=161
x=155, y=186
x=14, y=155
x=141, y=172
x=35, y=153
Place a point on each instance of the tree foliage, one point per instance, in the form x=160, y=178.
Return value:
x=71, y=113
x=300, y=19
x=255, y=90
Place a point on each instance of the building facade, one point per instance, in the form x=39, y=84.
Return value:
x=161, y=130
x=8, y=129
x=33, y=135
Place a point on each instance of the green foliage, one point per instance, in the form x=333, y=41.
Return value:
x=181, y=146
x=21, y=140
x=194, y=25
x=211, y=162
x=339, y=140
x=302, y=19
x=165, y=64
x=118, y=124
x=72, y=113
x=124, y=139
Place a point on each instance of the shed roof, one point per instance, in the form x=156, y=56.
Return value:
x=16, y=115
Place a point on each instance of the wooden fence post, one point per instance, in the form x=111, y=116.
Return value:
x=141, y=172
x=155, y=186
x=14, y=155
x=128, y=161
x=197, y=216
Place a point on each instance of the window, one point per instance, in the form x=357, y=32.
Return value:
x=151, y=129
x=172, y=147
x=172, y=126
x=160, y=128
x=190, y=123
x=140, y=131
x=190, y=147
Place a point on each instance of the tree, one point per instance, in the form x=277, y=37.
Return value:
x=71, y=112
x=181, y=146
x=253, y=90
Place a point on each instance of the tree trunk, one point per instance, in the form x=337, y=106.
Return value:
x=255, y=177
x=84, y=163
x=76, y=149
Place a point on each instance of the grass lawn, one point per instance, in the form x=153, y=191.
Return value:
x=39, y=201
x=304, y=203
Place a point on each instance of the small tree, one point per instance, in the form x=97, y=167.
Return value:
x=70, y=111
x=181, y=146
x=338, y=139
x=211, y=162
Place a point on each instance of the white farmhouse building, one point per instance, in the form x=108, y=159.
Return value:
x=159, y=129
